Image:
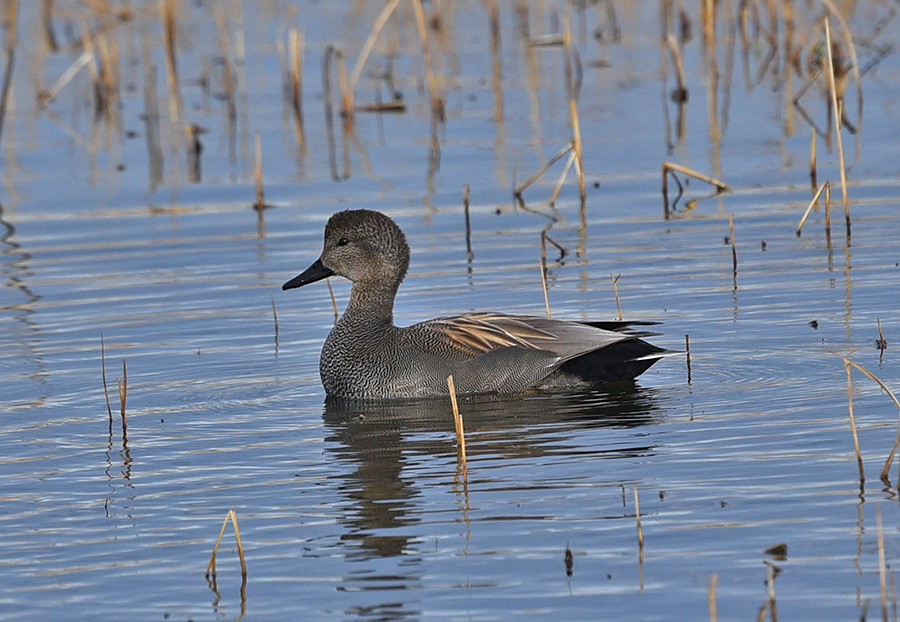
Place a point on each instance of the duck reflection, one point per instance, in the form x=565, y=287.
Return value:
x=382, y=438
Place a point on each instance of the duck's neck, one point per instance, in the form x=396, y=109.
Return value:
x=371, y=303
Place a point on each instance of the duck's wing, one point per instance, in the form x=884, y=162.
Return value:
x=473, y=334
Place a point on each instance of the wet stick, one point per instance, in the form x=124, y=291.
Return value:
x=457, y=421
x=615, y=283
x=809, y=207
x=211, y=567
x=837, y=124
x=711, y=597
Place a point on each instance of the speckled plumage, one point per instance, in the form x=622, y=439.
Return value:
x=366, y=357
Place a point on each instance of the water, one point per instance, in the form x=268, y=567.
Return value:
x=363, y=513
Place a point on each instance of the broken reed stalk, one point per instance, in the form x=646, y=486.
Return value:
x=573, y=107
x=258, y=174
x=733, y=247
x=809, y=207
x=543, y=267
x=680, y=95
x=211, y=567
x=837, y=124
x=46, y=96
x=11, y=20
x=457, y=421
x=562, y=178
x=874, y=378
x=103, y=371
x=637, y=516
x=615, y=282
x=275, y=317
x=828, y=212
x=770, y=583
x=669, y=167
x=123, y=389
x=813, y=173
x=167, y=8
x=521, y=187
x=859, y=460
x=333, y=300
x=437, y=103
x=225, y=49
x=295, y=56
x=347, y=104
x=882, y=574
x=469, y=252
x=546, y=238
x=711, y=597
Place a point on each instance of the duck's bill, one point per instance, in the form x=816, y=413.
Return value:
x=315, y=272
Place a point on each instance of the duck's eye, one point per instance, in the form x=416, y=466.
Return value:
x=343, y=242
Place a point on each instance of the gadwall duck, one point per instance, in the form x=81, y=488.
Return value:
x=366, y=357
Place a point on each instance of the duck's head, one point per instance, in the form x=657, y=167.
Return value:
x=361, y=245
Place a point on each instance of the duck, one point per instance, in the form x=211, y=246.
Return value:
x=367, y=357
